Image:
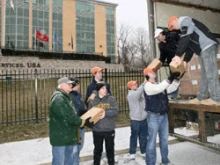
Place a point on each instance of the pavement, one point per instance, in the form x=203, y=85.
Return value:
x=38, y=151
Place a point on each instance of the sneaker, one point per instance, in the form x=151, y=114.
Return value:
x=209, y=102
x=194, y=101
x=143, y=155
x=132, y=156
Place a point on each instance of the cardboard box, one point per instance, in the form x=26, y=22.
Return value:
x=174, y=67
x=155, y=64
x=94, y=113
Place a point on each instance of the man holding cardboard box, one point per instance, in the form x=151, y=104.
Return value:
x=64, y=124
x=104, y=129
x=198, y=39
x=156, y=101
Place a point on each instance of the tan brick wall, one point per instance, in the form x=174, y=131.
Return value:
x=15, y=63
x=100, y=29
x=69, y=25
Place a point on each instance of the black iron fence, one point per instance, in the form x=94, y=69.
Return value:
x=25, y=94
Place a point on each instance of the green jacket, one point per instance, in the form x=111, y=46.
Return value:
x=64, y=122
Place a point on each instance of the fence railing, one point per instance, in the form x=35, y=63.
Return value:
x=25, y=94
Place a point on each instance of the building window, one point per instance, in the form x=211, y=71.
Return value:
x=40, y=22
x=17, y=25
x=57, y=19
x=85, y=33
x=110, y=32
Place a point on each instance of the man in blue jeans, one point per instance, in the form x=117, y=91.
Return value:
x=156, y=101
x=138, y=117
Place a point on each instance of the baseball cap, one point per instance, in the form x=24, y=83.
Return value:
x=147, y=70
x=64, y=80
x=157, y=32
x=170, y=21
x=96, y=69
x=130, y=84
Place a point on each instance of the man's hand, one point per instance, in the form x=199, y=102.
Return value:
x=178, y=60
x=185, y=65
x=173, y=76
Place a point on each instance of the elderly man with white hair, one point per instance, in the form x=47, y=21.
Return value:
x=64, y=125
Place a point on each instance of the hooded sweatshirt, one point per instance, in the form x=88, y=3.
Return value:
x=109, y=104
x=136, y=104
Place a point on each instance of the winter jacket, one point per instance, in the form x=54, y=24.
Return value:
x=109, y=104
x=91, y=89
x=76, y=97
x=64, y=122
x=195, y=36
x=136, y=104
x=168, y=46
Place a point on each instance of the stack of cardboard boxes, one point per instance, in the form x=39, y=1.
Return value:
x=190, y=82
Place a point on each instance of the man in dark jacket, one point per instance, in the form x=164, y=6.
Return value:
x=168, y=41
x=198, y=39
x=104, y=130
x=91, y=91
x=63, y=125
x=78, y=103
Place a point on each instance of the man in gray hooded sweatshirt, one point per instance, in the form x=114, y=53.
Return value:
x=138, y=117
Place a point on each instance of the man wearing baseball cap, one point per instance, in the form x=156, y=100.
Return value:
x=64, y=124
x=156, y=102
x=198, y=39
x=138, y=117
x=168, y=41
x=96, y=77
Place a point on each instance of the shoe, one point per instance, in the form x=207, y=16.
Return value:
x=209, y=102
x=132, y=156
x=194, y=101
x=143, y=155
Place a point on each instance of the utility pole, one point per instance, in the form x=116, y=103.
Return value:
x=150, y=9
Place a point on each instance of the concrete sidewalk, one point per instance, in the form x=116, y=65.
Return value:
x=38, y=151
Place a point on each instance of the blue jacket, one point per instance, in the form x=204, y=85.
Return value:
x=76, y=97
x=91, y=89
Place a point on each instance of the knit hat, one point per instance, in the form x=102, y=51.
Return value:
x=95, y=70
x=64, y=80
x=99, y=85
x=130, y=84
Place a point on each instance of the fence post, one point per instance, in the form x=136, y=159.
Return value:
x=36, y=95
x=106, y=75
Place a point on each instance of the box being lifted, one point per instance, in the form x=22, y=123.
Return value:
x=174, y=67
x=94, y=113
x=155, y=64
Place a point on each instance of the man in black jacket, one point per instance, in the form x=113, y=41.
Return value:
x=198, y=39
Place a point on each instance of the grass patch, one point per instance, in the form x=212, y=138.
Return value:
x=41, y=130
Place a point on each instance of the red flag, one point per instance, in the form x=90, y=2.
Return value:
x=42, y=37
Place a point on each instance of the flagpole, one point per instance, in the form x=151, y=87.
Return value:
x=4, y=23
x=35, y=39
x=16, y=26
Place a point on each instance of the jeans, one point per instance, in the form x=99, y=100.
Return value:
x=174, y=94
x=138, y=131
x=209, y=83
x=82, y=134
x=98, y=138
x=157, y=124
x=65, y=155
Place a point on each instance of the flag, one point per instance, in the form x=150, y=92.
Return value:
x=56, y=39
x=42, y=37
x=12, y=4
x=72, y=41
x=39, y=44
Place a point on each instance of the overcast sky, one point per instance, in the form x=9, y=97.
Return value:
x=132, y=12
